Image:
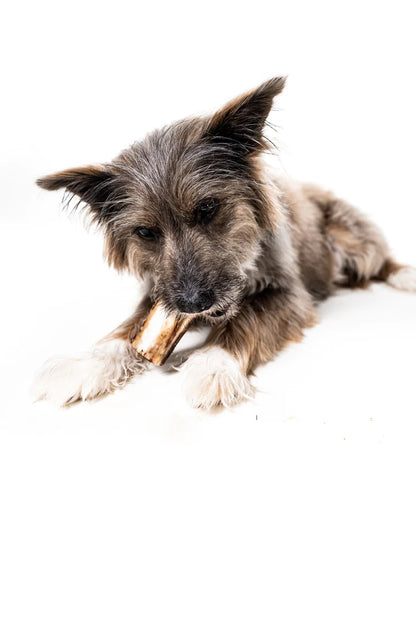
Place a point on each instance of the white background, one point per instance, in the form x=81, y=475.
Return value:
x=297, y=507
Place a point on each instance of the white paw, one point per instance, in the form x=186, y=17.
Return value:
x=108, y=366
x=212, y=377
x=403, y=279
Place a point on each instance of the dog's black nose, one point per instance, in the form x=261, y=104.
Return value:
x=195, y=301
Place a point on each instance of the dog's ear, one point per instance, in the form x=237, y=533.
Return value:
x=94, y=185
x=241, y=121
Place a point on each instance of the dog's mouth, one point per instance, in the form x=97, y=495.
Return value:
x=211, y=315
x=221, y=303
x=220, y=312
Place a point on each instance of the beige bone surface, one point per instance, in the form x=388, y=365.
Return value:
x=159, y=335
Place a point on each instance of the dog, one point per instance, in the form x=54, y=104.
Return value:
x=195, y=213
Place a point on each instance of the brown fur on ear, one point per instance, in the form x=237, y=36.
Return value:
x=76, y=180
x=242, y=120
x=92, y=184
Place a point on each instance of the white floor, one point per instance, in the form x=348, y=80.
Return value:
x=296, y=507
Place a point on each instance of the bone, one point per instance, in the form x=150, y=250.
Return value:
x=159, y=335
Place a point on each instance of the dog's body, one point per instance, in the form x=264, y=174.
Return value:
x=194, y=211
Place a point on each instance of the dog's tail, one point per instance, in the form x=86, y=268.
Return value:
x=398, y=276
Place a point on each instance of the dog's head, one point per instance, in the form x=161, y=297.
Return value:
x=186, y=207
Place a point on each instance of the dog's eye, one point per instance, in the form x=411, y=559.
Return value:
x=206, y=210
x=147, y=233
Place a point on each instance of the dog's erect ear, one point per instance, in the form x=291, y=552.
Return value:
x=241, y=121
x=94, y=185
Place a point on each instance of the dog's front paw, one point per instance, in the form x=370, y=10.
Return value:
x=107, y=367
x=213, y=377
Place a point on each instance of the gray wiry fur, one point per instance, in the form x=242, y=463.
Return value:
x=227, y=241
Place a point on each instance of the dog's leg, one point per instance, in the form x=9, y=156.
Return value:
x=398, y=276
x=108, y=366
x=359, y=249
x=218, y=373
x=361, y=253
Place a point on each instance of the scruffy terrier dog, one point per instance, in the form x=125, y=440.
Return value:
x=194, y=211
